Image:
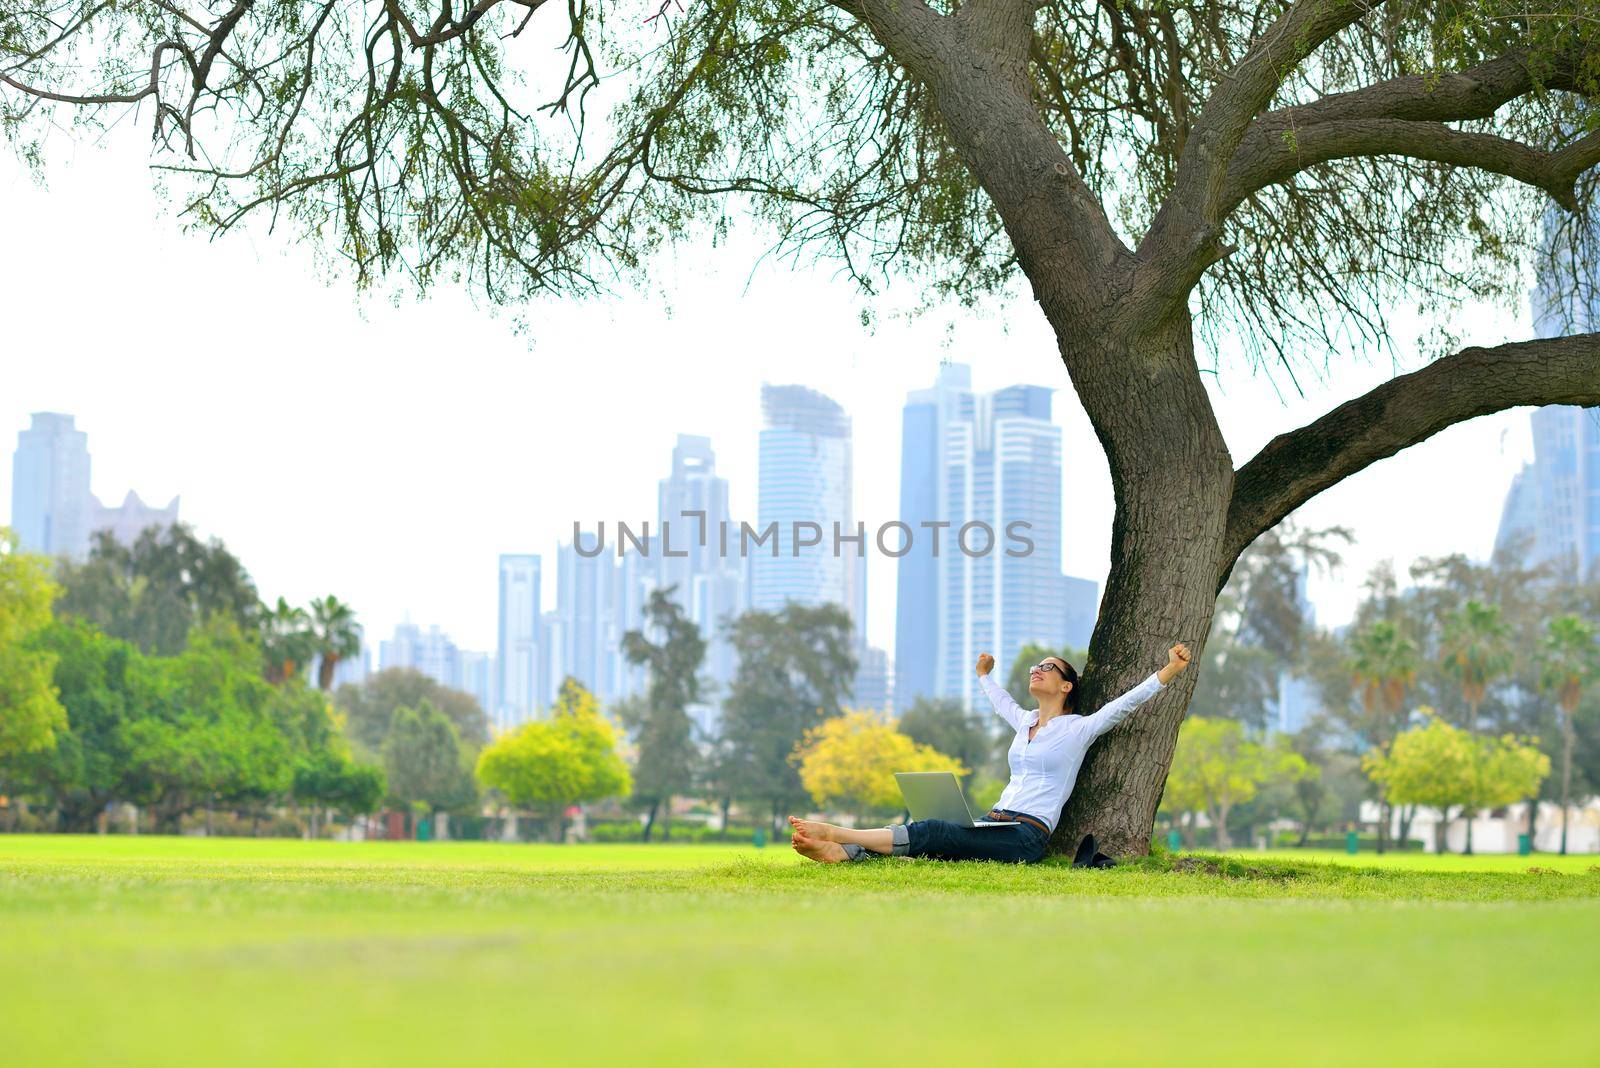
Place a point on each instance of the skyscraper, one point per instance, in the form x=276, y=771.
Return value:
x=806, y=487
x=50, y=500
x=52, y=510
x=519, y=640
x=429, y=651
x=131, y=518
x=593, y=609
x=1002, y=467
x=476, y=675
x=707, y=582
x=1080, y=605
x=916, y=626
x=987, y=468
x=1555, y=500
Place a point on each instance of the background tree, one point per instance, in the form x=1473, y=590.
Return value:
x=30, y=710
x=547, y=765
x=106, y=685
x=154, y=592
x=1286, y=173
x=1261, y=628
x=1384, y=663
x=329, y=779
x=848, y=763
x=335, y=636
x=212, y=739
x=1570, y=663
x=947, y=726
x=1217, y=768
x=1447, y=768
x=1476, y=652
x=660, y=723
x=369, y=707
x=1433, y=765
x=287, y=641
x=796, y=667
x=424, y=762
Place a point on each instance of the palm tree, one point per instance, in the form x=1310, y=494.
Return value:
x=1476, y=650
x=1384, y=664
x=335, y=636
x=1569, y=663
x=286, y=639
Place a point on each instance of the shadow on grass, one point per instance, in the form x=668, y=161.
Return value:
x=1161, y=876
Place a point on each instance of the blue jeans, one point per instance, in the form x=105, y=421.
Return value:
x=1021, y=843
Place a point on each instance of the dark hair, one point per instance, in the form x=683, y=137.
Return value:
x=1069, y=675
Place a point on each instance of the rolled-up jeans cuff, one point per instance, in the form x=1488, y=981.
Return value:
x=900, y=837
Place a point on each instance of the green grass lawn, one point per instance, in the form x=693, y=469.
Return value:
x=161, y=951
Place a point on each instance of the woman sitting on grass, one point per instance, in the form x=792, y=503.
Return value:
x=1044, y=756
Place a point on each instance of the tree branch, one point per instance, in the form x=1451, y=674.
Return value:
x=1057, y=224
x=1296, y=466
x=1268, y=162
x=1182, y=239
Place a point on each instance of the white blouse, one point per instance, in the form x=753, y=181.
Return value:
x=1043, y=770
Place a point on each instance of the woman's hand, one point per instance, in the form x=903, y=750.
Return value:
x=985, y=663
x=1178, y=658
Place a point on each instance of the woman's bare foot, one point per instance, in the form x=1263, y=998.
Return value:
x=822, y=832
x=820, y=851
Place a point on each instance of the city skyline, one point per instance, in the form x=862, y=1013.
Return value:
x=546, y=672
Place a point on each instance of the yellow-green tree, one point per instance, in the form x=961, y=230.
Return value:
x=30, y=710
x=1216, y=768
x=1454, y=771
x=848, y=762
x=546, y=765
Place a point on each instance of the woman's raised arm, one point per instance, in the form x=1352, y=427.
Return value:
x=1117, y=710
x=1004, y=705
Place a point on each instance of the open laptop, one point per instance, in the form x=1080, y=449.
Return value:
x=936, y=795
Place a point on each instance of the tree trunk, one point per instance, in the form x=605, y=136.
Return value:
x=1407, y=814
x=1533, y=822
x=727, y=802
x=1383, y=824
x=325, y=671
x=1224, y=843
x=1441, y=831
x=1471, y=815
x=1173, y=479
x=1566, y=777
x=650, y=820
x=666, y=818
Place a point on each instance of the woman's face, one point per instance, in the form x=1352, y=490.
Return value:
x=1048, y=678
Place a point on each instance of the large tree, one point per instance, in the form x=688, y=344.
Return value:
x=1287, y=172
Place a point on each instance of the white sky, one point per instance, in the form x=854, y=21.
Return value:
x=388, y=454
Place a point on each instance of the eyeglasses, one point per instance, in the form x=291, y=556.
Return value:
x=1047, y=665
